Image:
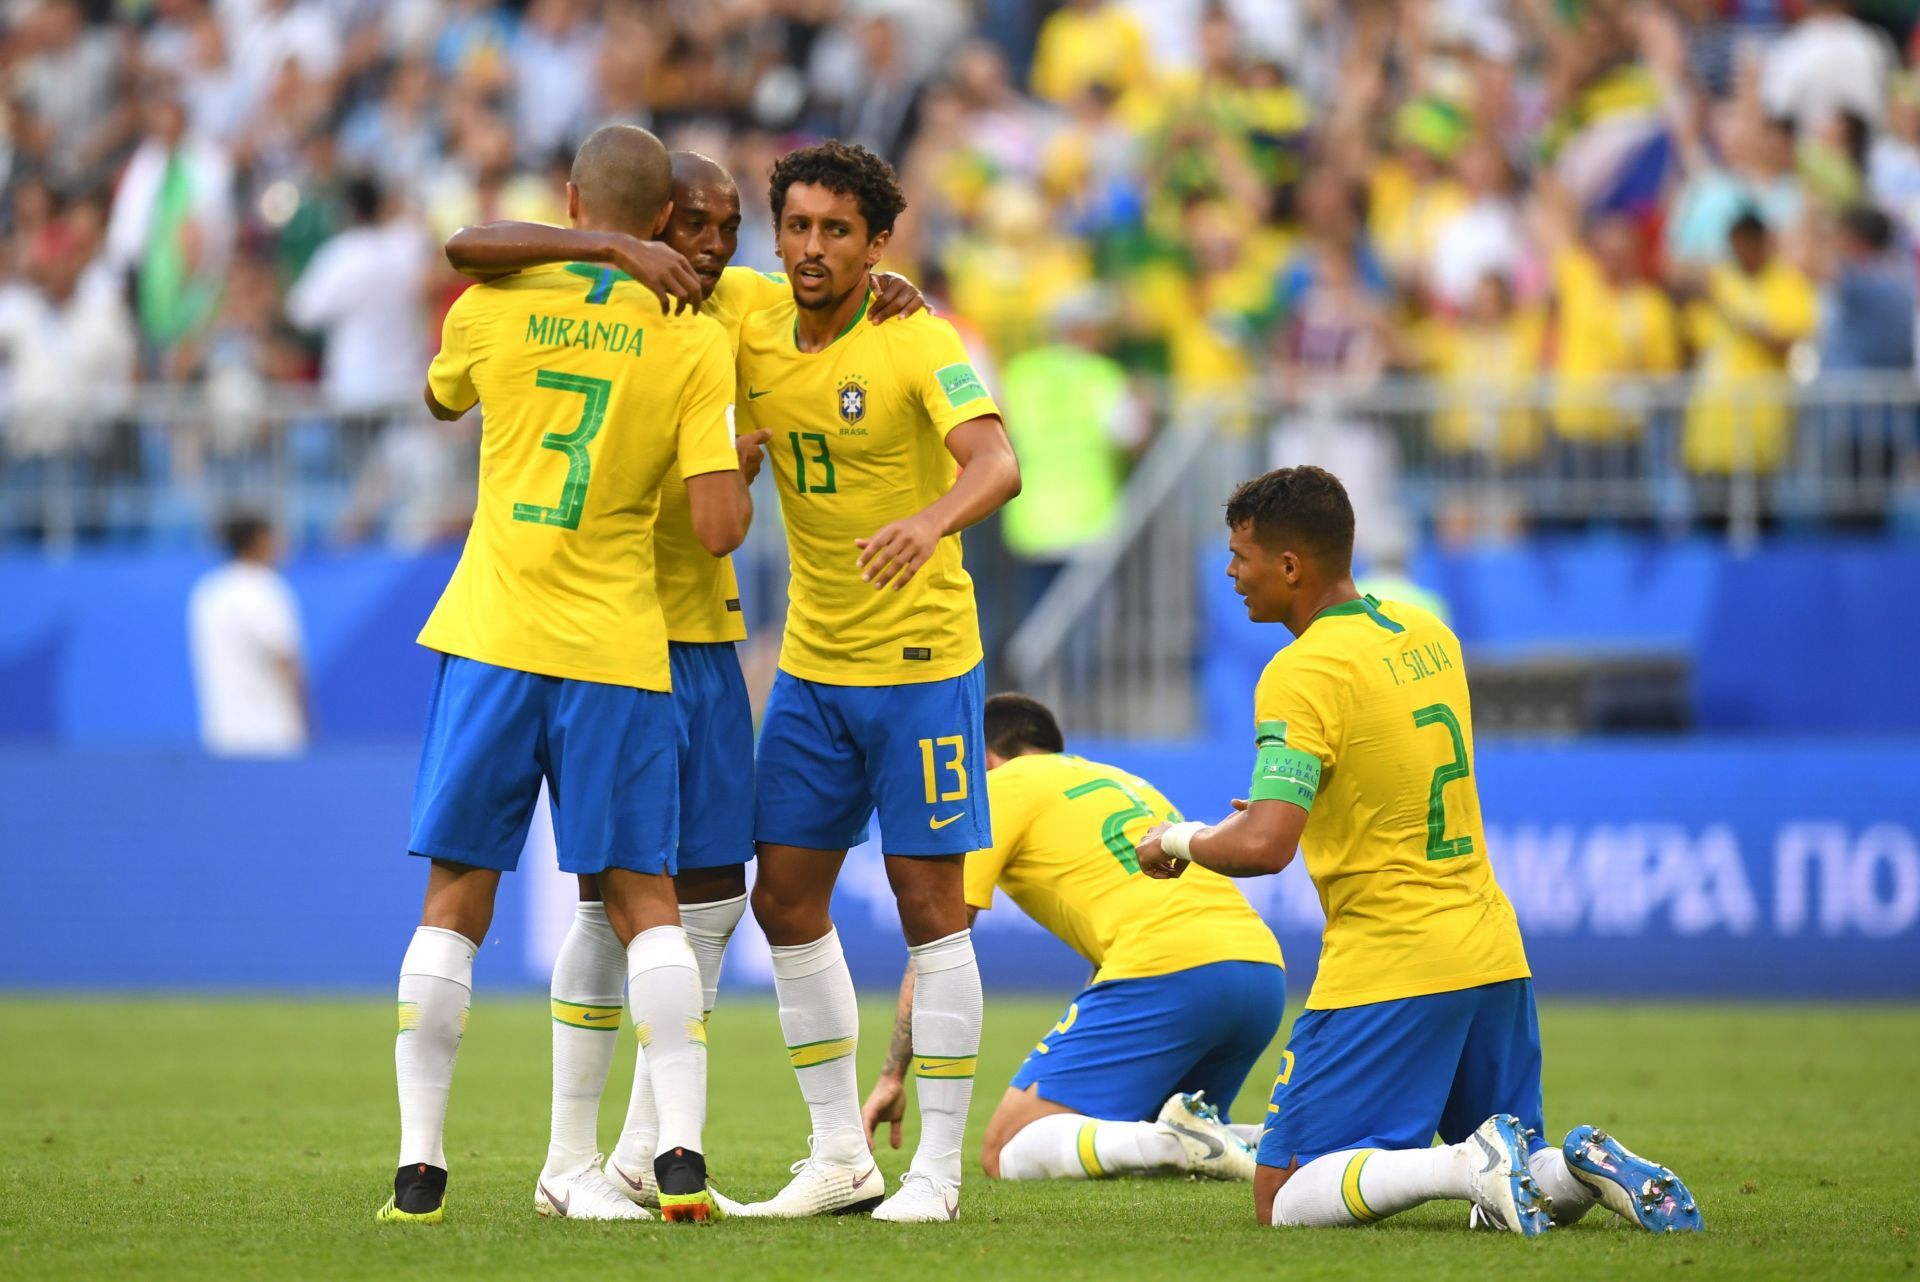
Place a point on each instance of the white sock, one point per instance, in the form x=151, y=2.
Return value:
x=709, y=927
x=663, y=991
x=1072, y=1146
x=946, y=1049
x=1359, y=1186
x=436, y=988
x=588, y=976
x=1571, y=1199
x=1248, y=1131
x=821, y=1024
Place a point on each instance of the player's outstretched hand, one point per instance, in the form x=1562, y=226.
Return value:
x=659, y=267
x=886, y=1102
x=749, y=449
x=895, y=295
x=897, y=550
x=1154, y=861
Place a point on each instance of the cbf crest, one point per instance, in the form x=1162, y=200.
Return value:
x=853, y=399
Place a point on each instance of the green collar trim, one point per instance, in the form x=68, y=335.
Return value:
x=857, y=318
x=602, y=277
x=1367, y=605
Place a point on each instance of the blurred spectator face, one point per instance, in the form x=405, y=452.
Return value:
x=166, y=118
x=1484, y=170
x=825, y=245
x=705, y=228
x=980, y=75
x=1326, y=202
x=1751, y=245
x=489, y=148
x=1773, y=146
x=1219, y=44
x=1212, y=236
x=1616, y=248
x=1492, y=300
x=877, y=42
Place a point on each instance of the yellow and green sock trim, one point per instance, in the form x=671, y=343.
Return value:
x=1350, y=1188
x=604, y=1019
x=814, y=1054
x=943, y=1068
x=1089, y=1156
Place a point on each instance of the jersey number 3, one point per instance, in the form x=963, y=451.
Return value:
x=573, y=495
x=1439, y=845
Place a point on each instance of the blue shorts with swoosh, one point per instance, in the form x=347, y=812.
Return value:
x=832, y=756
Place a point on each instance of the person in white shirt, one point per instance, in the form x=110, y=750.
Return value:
x=1828, y=63
x=363, y=292
x=244, y=632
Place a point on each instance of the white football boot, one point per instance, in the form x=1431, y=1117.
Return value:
x=1214, y=1152
x=638, y=1187
x=1500, y=1183
x=841, y=1180
x=585, y=1194
x=921, y=1200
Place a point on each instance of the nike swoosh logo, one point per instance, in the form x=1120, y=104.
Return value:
x=632, y=1183
x=1214, y=1147
x=754, y=396
x=938, y=824
x=865, y=1176
x=558, y=1204
x=609, y=1015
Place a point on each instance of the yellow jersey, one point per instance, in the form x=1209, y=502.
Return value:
x=1063, y=836
x=698, y=591
x=1739, y=417
x=859, y=440
x=588, y=394
x=1377, y=693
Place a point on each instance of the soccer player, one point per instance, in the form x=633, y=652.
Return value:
x=1187, y=988
x=879, y=696
x=1422, y=1016
x=554, y=652
x=701, y=602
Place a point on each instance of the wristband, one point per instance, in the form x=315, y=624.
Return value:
x=1177, y=841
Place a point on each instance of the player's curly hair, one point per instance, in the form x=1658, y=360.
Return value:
x=845, y=169
x=1303, y=505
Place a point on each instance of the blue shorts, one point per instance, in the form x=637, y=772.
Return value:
x=1392, y=1074
x=831, y=755
x=1124, y=1046
x=610, y=755
x=716, y=761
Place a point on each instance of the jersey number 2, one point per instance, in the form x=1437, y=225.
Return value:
x=573, y=495
x=1439, y=845
x=1113, y=833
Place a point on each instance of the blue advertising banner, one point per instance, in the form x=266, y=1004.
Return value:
x=1637, y=870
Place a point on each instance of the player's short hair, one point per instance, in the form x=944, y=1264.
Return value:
x=1017, y=723
x=692, y=169
x=623, y=176
x=239, y=531
x=845, y=169
x=1304, y=506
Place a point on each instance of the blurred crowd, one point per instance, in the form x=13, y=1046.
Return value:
x=1140, y=211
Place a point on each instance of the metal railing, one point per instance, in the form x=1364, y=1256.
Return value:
x=1119, y=636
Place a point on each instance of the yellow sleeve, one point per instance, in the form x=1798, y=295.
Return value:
x=948, y=387
x=1793, y=309
x=1663, y=334
x=1052, y=76
x=706, y=409
x=1306, y=703
x=1011, y=807
x=450, y=376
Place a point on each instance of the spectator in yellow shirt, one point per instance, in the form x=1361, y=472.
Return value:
x=1487, y=363
x=1753, y=311
x=1088, y=42
x=1611, y=322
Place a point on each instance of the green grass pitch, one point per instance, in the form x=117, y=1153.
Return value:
x=211, y=1138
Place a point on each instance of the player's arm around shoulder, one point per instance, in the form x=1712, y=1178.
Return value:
x=933, y=359
x=717, y=498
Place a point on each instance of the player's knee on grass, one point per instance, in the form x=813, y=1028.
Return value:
x=1017, y=1108
x=1267, y=1183
x=705, y=885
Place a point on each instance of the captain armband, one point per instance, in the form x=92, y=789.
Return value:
x=1281, y=773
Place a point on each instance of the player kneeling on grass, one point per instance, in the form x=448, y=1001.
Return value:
x=1422, y=1016
x=554, y=660
x=1188, y=990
